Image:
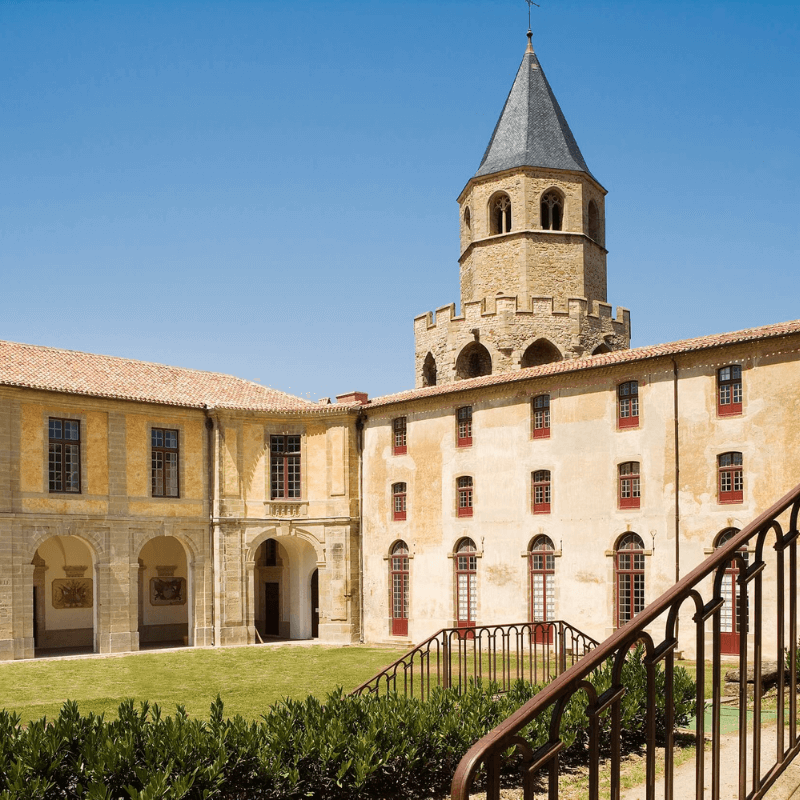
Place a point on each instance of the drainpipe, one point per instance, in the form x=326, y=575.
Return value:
x=677, y=477
x=211, y=514
x=360, y=420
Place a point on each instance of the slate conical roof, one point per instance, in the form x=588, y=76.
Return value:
x=532, y=130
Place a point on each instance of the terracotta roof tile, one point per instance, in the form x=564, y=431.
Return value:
x=607, y=359
x=72, y=372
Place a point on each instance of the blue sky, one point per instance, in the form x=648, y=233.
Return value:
x=269, y=189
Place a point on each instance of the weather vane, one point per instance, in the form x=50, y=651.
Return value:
x=531, y=3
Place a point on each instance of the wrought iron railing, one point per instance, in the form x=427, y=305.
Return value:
x=532, y=651
x=540, y=766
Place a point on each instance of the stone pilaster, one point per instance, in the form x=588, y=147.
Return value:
x=117, y=466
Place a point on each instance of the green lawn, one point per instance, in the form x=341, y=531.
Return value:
x=249, y=679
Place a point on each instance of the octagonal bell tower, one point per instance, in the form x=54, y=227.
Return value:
x=533, y=257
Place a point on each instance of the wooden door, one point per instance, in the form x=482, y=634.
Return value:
x=272, y=609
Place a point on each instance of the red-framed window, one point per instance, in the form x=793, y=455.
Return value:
x=398, y=501
x=540, y=407
x=284, y=467
x=542, y=569
x=630, y=485
x=398, y=581
x=729, y=390
x=465, y=497
x=628, y=404
x=540, y=491
x=629, y=568
x=731, y=478
x=64, y=455
x=466, y=566
x=464, y=426
x=399, y=445
x=164, y=463
x=729, y=628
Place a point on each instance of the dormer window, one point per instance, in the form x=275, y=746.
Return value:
x=552, y=211
x=500, y=214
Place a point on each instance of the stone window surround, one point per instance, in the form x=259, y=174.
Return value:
x=285, y=430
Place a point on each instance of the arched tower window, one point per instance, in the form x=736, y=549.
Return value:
x=473, y=361
x=542, y=564
x=629, y=567
x=500, y=214
x=398, y=580
x=466, y=564
x=593, y=221
x=731, y=595
x=540, y=352
x=429, y=371
x=467, y=219
x=552, y=211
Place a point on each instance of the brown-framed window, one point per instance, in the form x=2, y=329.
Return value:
x=464, y=426
x=628, y=404
x=399, y=445
x=731, y=478
x=464, y=491
x=64, y=455
x=729, y=390
x=629, y=568
x=398, y=501
x=164, y=463
x=284, y=467
x=466, y=567
x=540, y=493
x=540, y=406
x=398, y=580
x=729, y=621
x=630, y=486
x=542, y=568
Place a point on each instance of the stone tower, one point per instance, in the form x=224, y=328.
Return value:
x=533, y=257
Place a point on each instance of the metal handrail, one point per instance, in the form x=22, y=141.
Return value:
x=487, y=752
x=533, y=651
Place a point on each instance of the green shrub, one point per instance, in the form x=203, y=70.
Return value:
x=344, y=747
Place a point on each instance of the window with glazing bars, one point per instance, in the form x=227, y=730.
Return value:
x=464, y=429
x=399, y=574
x=64, y=458
x=628, y=405
x=630, y=487
x=466, y=564
x=164, y=462
x=541, y=416
x=464, y=485
x=630, y=578
x=731, y=478
x=399, y=446
x=284, y=467
x=729, y=390
x=398, y=501
x=541, y=491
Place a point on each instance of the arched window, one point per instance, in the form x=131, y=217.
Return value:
x=429, y=371
x=630, y=485
x=541, y=416
x=500, y=214
x=398, y=501
x=464, y=496
x=629, y=567
x=466, y=564
x=467, y=219
x=593, y=222
x=601, y=349
x=540, y=492
x=398, y=580
x=542, y=564
x=540, y=352
x=731, y=478
x=552, y=209
x=731, y=594
x=473, y=361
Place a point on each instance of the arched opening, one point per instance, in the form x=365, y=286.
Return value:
x=540, y=352
x=429, y=371
x=466, y=567
x=286, y=591
x=593, y=222
x=473, y=361
x=629, y=568
x=164, y=606
x=601, y=349
x=552, y=210
x=729, y=629
x=398, y=583
x=64, y=597
x=467, y=219
x=542, y=567
x=499, y=214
